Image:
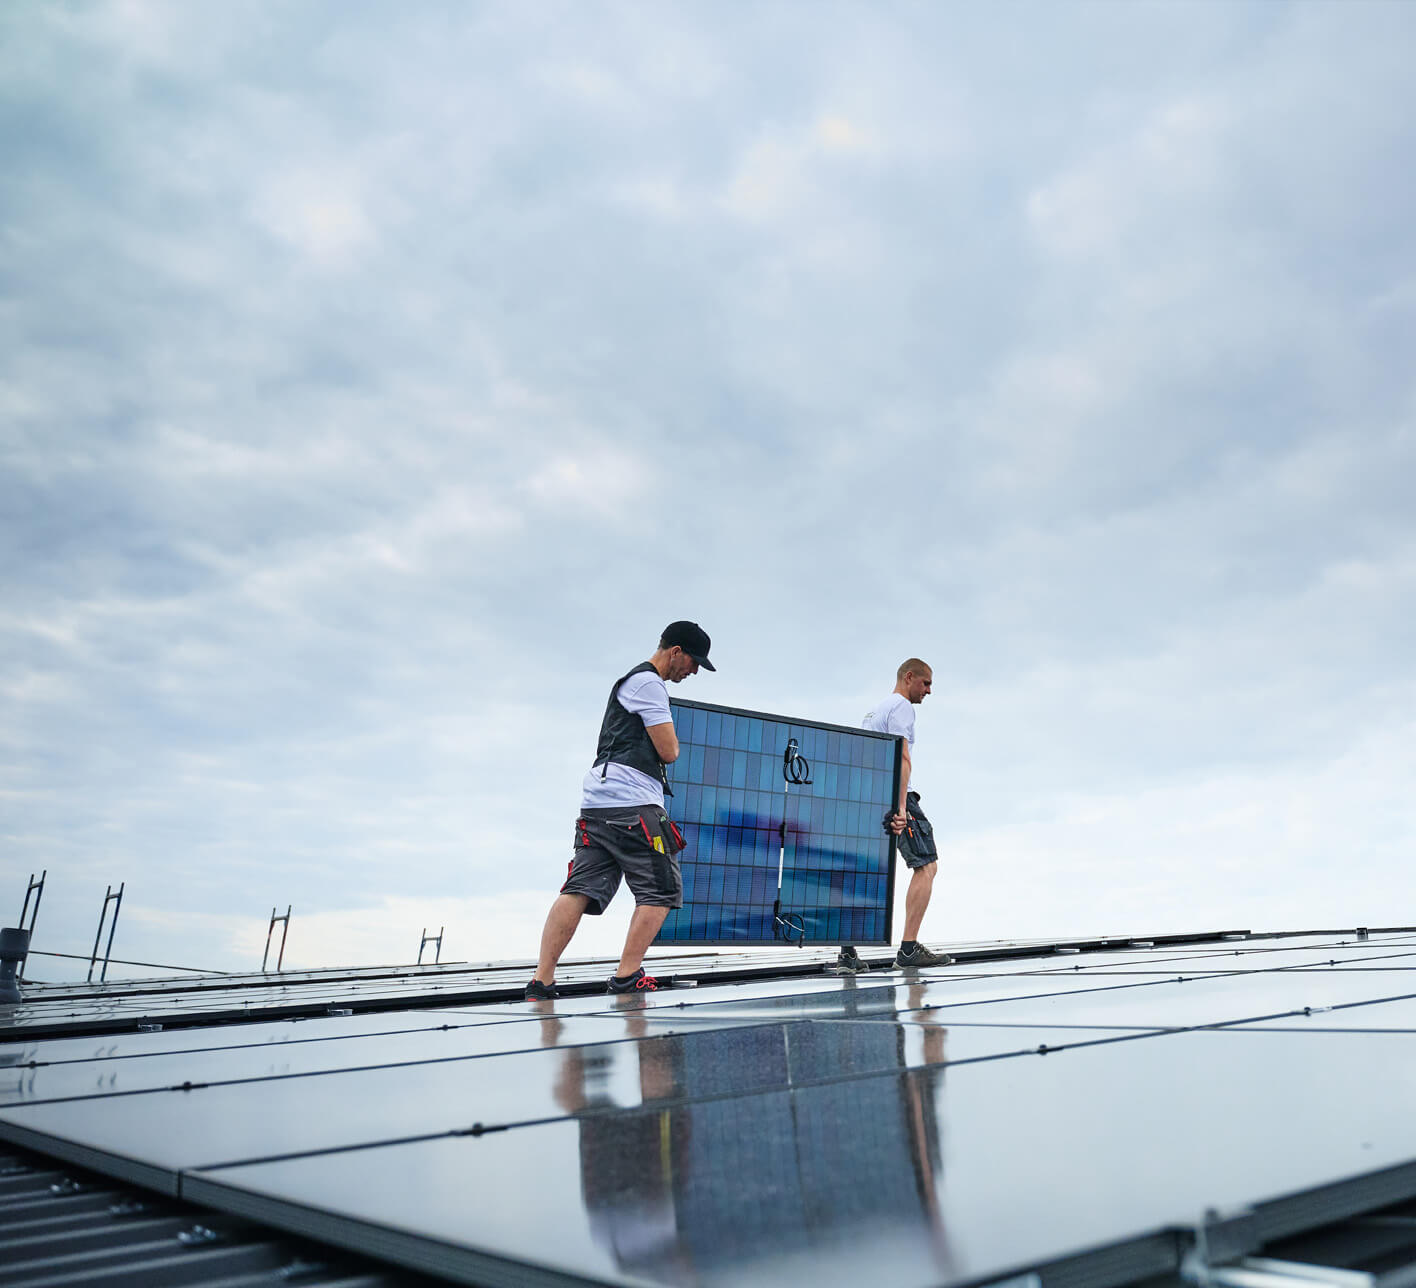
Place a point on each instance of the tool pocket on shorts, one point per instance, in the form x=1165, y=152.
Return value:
x=628, y=828
x=663, y=834
x=918, y=836
x=673, y=838
x=618, y=830
x=656, y=837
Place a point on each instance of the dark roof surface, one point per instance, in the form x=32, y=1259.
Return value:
x=1089, y=1112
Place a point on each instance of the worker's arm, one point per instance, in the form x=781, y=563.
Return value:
x=901, y=817
x=665, y=740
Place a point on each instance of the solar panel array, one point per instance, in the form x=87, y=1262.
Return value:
x=950, y=1127
x=784, y=823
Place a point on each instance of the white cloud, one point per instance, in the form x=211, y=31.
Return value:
x=617, y=485
x=585, y=80
x=1254, y=849
x=1160, y=177
x=320, y=214
x=37, y=687
x=786, y=172
x=376, y=385
x=661, y=195
x=839, y=134
x=475, y=929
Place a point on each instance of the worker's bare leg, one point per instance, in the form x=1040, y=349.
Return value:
x=643, y=926
x=917, y=898
x=561, y=922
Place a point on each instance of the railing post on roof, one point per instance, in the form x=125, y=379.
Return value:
x=116, y=899
x=431, y=939
x=270, y=930
x=35, y=888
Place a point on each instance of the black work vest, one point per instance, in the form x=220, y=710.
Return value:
x=624, y=739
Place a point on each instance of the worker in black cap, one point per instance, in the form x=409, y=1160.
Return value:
x=623, y=831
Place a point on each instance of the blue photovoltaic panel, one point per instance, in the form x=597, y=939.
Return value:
x=827, y=875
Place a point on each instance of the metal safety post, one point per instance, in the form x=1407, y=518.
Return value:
x=431, y=939
x=35, y=888
x=271, y=930
x=115, y=897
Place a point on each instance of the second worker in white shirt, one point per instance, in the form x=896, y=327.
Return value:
x=895, y=714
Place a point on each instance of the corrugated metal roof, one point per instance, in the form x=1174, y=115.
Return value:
x=60, y=1226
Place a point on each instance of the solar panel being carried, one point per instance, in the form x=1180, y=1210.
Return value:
x=784, y=824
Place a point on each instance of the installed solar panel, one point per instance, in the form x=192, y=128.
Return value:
x=894, y=1129
x=783, y=820
x=767, y=1187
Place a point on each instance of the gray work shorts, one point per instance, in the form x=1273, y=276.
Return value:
x=916, y=842
x=619, y=842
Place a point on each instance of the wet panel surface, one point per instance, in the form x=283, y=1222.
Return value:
x=1398, y=1016
x=1248, y=954
x=887, y=1127
x=230, y=1037
x=29, y=1080
x=1318, y=956
x=1204, y=999
x=881, y=996
x=929, y=1176
x=211, y=1123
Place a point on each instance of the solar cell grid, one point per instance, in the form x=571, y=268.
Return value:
x=783, y=823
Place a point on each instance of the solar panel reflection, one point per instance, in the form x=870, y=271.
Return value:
x=783, y=820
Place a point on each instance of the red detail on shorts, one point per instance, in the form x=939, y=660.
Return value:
x=643, y=827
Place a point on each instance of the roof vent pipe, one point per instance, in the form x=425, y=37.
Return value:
x=14, y=948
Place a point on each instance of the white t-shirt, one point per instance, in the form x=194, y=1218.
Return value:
x=645, y=695
x=895, y=715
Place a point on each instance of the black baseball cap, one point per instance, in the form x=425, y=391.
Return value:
x=690, y=637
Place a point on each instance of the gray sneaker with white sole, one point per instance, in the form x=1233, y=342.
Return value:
x=848, y=963
x=919, y=955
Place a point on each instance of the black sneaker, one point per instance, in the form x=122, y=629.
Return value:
x=848, y=963
x=919, y=955
x=639, y=982
x=535, y=989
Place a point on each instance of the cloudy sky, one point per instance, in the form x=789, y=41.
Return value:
x=377, y=380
